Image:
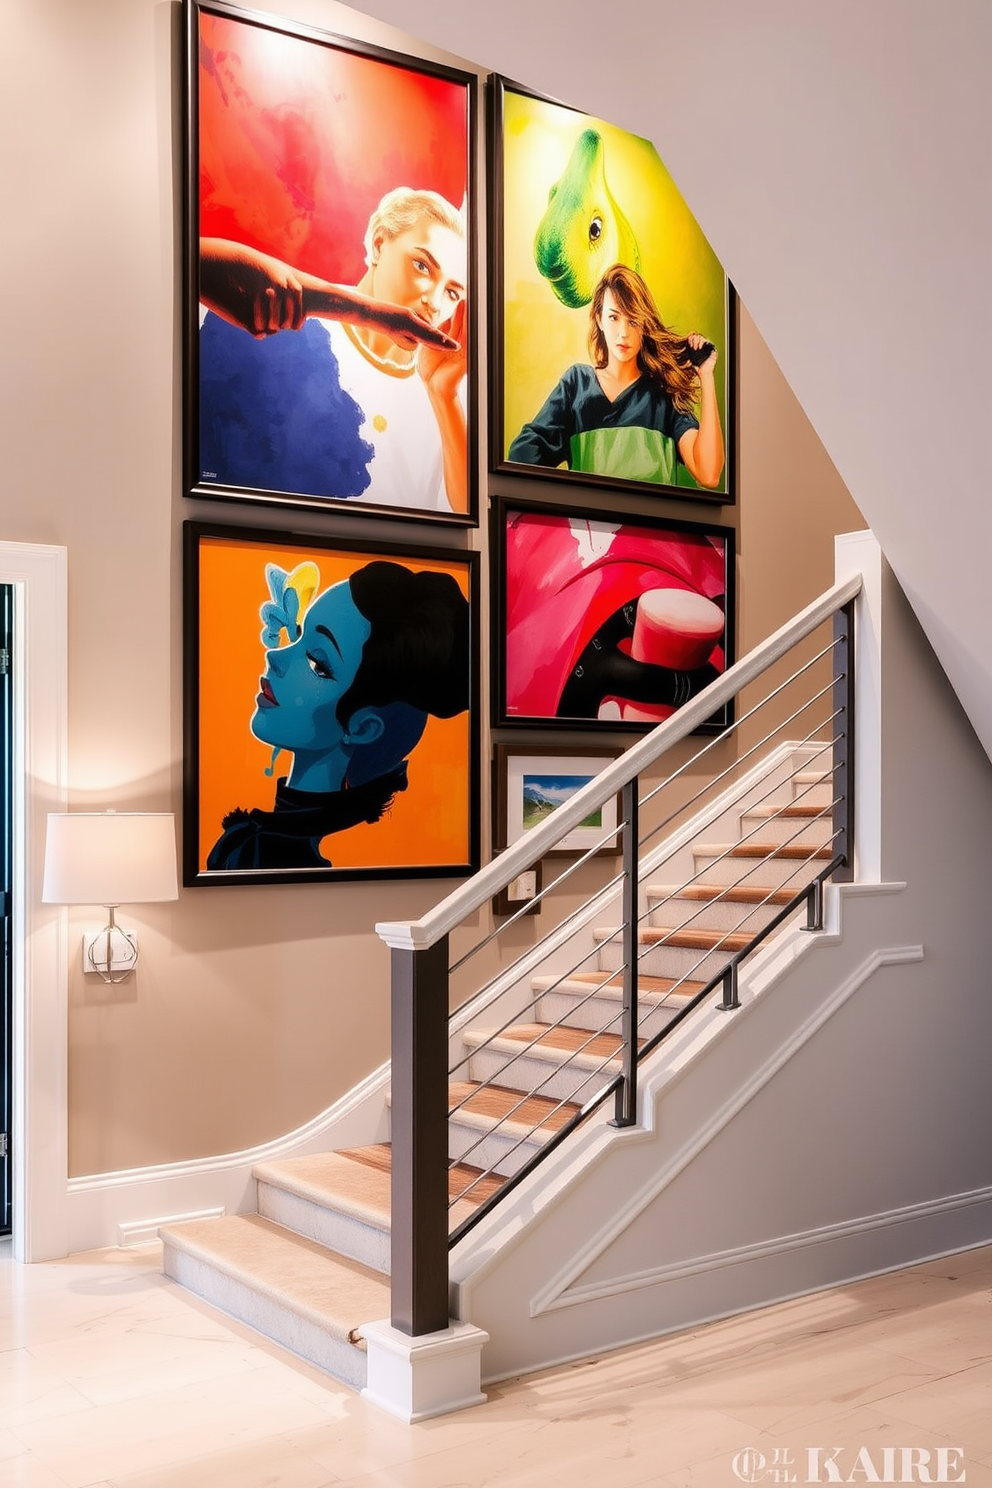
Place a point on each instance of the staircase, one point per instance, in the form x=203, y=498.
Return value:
x=311, y=1267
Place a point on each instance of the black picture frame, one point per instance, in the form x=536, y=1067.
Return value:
x=406, y=803
x=293, y=137
x=533, y=335
x=566, y=580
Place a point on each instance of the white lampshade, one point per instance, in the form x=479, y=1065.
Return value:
x=110, y=857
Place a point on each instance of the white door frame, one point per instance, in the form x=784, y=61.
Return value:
x=39, y=1136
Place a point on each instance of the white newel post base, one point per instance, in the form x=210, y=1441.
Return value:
x=415, y=1378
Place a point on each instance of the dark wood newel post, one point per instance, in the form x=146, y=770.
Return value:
x=625, y=1113
x=844, y=731
x=419, y=1135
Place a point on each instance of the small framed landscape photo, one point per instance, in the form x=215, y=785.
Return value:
x=532, y=782
x=604, y=620
x=331, y=709
x=329, y=316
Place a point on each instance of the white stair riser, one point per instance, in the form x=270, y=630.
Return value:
x=340, y=1232
x=701, y=915
x=544, y=1075
x=754, y=873
x=267, y=1316
x=667, y=960
x=807, y=793
x=796, y=831
x=602, y=1014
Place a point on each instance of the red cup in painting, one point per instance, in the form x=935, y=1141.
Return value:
x=673, y=628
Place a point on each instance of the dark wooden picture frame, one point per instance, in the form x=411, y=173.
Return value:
x=570, y=196
x=325, y=177
x=331, y=708
x=606, y=620
x=556, y=770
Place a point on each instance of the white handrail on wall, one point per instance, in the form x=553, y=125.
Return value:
x=418, y=935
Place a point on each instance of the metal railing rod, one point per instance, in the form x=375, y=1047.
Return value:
x=650, y=1044
x=591, y=852
x=526, y=1168
x=534, y=1000
x=557, y=1103
x=496, y=875
x=524, y=1097
x=615, y=1085
x=734, y=961
x=613, y=883
x=629, y=966
x=723, y=857
x=729, y=852
x=525, y=1138
x=721, y=944
x=565, y=1100
x=744, y=718
x=726, y=889
x=752, y=908
x=741, y=759
x=647, y=1048
x=738, y=882
x=626, y=1107
x=528, y=1048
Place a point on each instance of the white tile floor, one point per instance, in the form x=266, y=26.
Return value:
x=112, y=1377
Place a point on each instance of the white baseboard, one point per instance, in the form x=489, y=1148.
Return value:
x=108, y=1209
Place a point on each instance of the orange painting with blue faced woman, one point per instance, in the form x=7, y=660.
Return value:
x=646, y=402
x=352, y=675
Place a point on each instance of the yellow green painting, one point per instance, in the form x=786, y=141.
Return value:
x=617, y=352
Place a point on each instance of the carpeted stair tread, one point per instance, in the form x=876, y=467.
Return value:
x=356, y=1181
x=562, y=1045
x=461, y=1176
x=650, y=989
x=789, y=850
x=707, y=893
x=326, y=1289
x=563, y=1038
x=493, y=1102
x=331, y=1179
x=693, y=940
x=800, y=811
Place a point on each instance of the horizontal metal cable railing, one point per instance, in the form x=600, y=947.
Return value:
x=734, y=840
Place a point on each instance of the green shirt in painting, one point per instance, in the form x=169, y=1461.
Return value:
x=633, y=438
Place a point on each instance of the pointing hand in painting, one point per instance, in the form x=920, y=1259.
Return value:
x=263, y=295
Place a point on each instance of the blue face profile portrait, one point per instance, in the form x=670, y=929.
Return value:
x=367, y=661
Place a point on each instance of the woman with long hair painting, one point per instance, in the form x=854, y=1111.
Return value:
x=645, y=403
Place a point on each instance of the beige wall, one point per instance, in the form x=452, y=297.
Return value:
x=253, y=1008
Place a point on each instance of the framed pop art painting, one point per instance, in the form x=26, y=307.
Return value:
x=606, y=620
x=329, y=266
x=614, y=348
x=331, y=709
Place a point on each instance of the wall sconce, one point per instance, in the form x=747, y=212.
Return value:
x=110, y=858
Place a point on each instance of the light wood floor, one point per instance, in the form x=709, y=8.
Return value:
x=110, y=1375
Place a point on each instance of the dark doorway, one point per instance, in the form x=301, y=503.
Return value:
x=6, y=833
